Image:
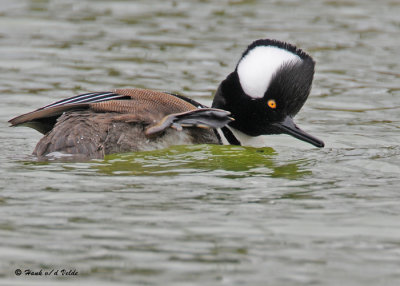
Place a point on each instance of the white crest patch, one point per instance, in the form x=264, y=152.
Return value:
x=258, y=67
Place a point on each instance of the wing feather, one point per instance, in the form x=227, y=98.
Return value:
x=87, y=98
x=143, y=105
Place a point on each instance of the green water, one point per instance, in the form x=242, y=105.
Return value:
x=286, y=214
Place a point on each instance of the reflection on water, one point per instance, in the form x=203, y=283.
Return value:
x=206, y=215
x=222, y=161
x=232, y=161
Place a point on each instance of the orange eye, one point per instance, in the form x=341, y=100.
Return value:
x=271, y=103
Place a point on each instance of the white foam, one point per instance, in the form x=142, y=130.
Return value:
x=258, y=67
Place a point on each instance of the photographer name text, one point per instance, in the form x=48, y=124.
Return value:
x=52, y=272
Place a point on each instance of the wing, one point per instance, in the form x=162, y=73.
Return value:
x=43, y=119
x=136, y=104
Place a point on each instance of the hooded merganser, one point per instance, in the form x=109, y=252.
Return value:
x=269, y=86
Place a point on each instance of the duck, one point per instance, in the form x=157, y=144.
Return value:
x=270, y=84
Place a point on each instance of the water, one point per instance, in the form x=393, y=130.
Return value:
x=287, y=214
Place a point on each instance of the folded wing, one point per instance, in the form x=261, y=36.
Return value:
x=156, y=109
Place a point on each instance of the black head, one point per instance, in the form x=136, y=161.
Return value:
x=269, y=86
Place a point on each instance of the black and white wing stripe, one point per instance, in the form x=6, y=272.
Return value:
x=92, y=97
